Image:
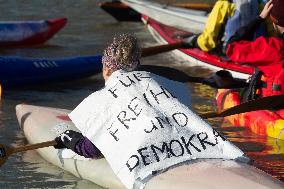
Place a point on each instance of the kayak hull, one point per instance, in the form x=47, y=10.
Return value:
x=262, y=122
x=120, y=11
x=20, y=33
x=167, y=34
x=40, y=124
x=190, y=20
x=19, y=71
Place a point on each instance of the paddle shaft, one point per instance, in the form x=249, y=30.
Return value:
x=149, y=51
x=33, y=146
x=258, y=104
x=196, y=6
x=264, y=103
x=178, y=75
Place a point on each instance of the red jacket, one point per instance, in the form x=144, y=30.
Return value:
x=265, y=53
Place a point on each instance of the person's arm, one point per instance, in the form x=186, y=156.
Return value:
x=86, y=148
x=78, y=143
x=246, y=33
x=261, y=51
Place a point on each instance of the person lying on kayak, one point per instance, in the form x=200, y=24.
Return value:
x=141, y=122
x=225, y=18
x=127, y=60
x=264, y=53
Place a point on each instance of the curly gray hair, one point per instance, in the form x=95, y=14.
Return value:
x=123, y=53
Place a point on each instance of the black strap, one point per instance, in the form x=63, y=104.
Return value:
x=282, y=36
x=276, y=87
x=254, y=84
x=263, y=84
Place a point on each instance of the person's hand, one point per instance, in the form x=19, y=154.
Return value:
x=191, y=41
x=266, y=10
x=68, y=139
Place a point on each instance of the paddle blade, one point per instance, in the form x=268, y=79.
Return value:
x=270, y=102
x=4, y=153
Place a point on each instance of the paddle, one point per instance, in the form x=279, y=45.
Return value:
x=270, y=102
x=149, y=51
x=5, y=152
x=220, y=80
x=216, y=81
x=258, y=104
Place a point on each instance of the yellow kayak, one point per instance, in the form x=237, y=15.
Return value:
x=262, y=122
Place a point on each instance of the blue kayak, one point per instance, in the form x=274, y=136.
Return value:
x=18, y=71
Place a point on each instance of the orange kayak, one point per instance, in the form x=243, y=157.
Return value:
x=262, y=122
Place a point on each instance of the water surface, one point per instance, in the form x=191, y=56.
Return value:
x=88, y=32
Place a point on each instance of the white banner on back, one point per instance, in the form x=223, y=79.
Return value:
x=142, y=124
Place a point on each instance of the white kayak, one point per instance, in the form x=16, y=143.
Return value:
x=182, y=18
x=40, y=124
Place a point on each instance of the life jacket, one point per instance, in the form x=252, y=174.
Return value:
x=261, y=85
x=253, y=90
x=245, y=12
x=273, y=85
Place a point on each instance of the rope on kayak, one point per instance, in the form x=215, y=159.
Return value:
x=278, y=138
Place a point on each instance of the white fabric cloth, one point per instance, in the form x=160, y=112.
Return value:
x=142, y=124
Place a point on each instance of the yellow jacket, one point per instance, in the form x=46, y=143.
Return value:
x=208, y=39
x=233, y=13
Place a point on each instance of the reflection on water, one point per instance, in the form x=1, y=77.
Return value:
x=88, y=31
x=267, y=152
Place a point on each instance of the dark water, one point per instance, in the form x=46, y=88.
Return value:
x=88, y=31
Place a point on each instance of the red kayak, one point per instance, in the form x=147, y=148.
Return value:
x=167, y=34
x=20, y=33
